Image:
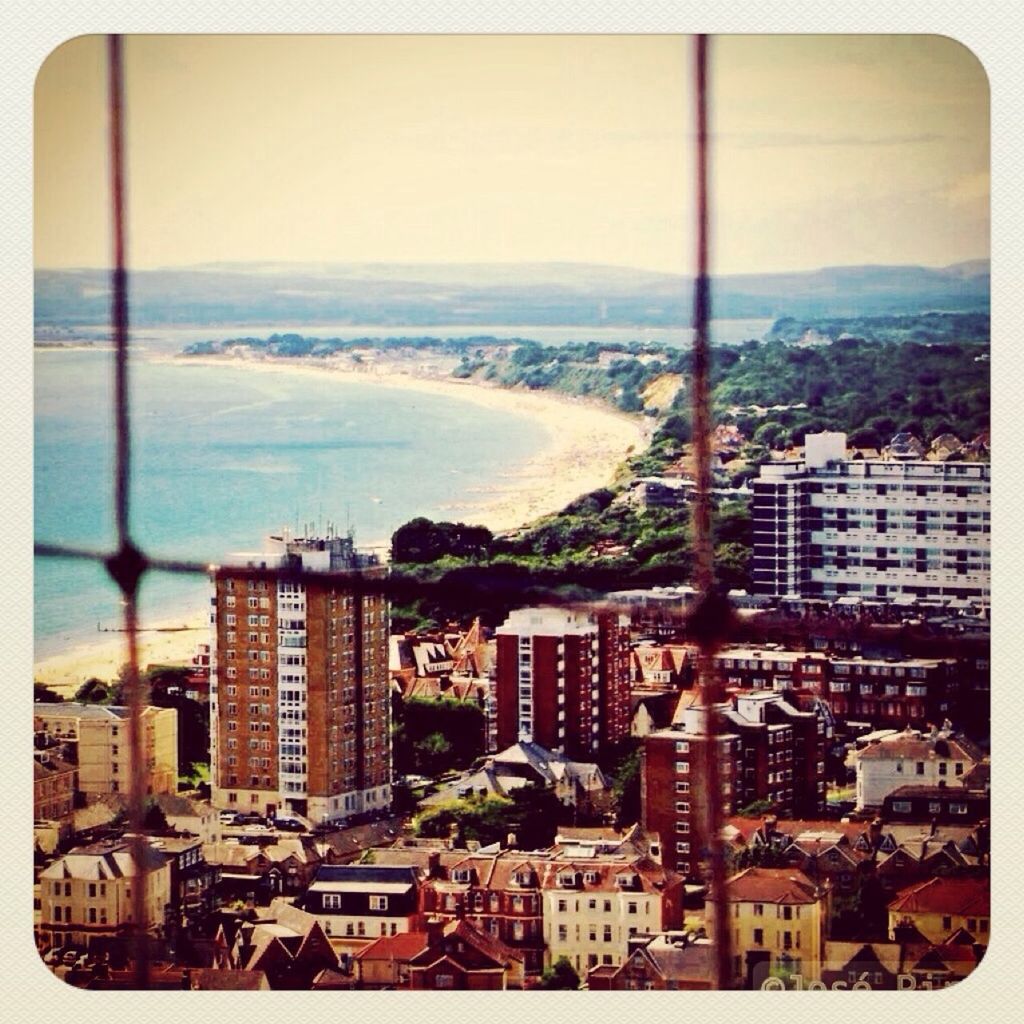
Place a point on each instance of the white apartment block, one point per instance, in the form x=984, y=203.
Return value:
x=878, y=529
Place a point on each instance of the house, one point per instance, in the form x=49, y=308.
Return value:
x=575, y=783
x=939, y=907
x=938, y=758
x=193, y=882
x=672, y=961
x=290, y=948
x=255, y=873
x=461, y=956
x=86, y=896
x=778, y=918
x=356, y=900
x=188, y=816
x=384, y=962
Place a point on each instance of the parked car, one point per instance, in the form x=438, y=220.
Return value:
x=82, y=962
x=53, y=956
x=69, y=958
x=228, y=817
x=289, y=825
x=250, y=818
x=257, y=828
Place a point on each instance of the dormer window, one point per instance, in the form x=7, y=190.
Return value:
x=591, y=877
x=568, y=879
x=524, y=878
x=626, y=880
x=462, y=875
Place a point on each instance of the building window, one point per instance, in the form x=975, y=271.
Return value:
x=378, y=903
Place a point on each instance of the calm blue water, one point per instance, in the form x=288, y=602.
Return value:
x=223, y=456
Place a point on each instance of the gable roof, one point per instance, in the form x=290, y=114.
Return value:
x=948, y=896
x=771, y=885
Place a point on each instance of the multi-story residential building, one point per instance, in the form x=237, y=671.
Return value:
x=889, y=529
x=769, y=751
x=300, y=698
x=97, y=736
x=86, y=896
x=940, y=907
x=563, y=680
x=778, y=918
x=192, y=881
x=593, y=906
x=364, y=901
x=939, y=758
x=884, y=691
x=53, y=790
x=497, y=892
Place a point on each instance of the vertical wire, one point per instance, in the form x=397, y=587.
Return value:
x=125, y=567
x=703, y=544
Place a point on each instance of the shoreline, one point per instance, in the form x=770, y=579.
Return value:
x=586, y=442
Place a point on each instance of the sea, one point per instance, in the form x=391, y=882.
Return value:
x=222, y=456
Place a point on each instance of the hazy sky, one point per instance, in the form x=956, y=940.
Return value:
x=828, y=150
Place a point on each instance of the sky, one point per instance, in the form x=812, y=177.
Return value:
x=827, y=150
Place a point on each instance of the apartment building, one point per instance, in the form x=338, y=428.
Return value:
x=299, y=698
x=86, y=895
x=595, y=905
x=779, y=919
x=896, y=529
x=768, y=750
x=97, y=738
x=53, y=789
x=563, y=680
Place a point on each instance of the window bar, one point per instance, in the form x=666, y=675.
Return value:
x=127, y=565
x=711, y=614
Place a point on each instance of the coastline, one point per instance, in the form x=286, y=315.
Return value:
x=586, y=443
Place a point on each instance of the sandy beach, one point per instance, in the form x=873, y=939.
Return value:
x=586, y=443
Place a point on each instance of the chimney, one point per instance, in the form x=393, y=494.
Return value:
x=435, y=930
x=453, y=835
x=511, y=840
x=875, y=831
x=433, y=864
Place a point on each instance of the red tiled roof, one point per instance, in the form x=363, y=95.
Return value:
x=945, y=896
x=770, y=885
x=403, y=946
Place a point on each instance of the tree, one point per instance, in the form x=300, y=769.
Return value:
x=42, y=694
x=626, y=788
x=432, y=754
x=561, y=975
x=92, y=691
x=154, y=820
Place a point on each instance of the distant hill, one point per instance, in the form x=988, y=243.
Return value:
x=497, y=294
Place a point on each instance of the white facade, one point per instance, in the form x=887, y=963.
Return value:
x=874, y=529
x=591, y=928
x=907, y=759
